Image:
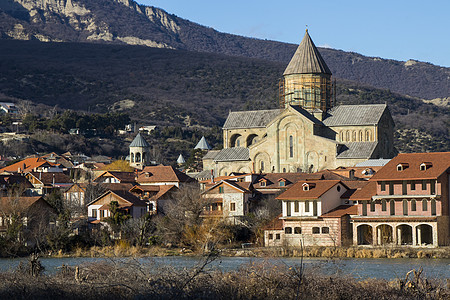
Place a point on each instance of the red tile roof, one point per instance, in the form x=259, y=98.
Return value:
x=275, y=224
x=366, y=192
x=123, y=177
x=27, y=165
x=340, y=211
x=47, y=177
x=154, y=174
x=440, y=163
x=317, y=189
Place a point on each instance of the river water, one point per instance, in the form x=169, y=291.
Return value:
x=357, y=268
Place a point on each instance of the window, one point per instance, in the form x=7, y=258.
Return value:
x=262, y=183
x=291, y=146
x=282, y=183
x=432, y=187
x=338, y=188
x=372, y=206
x=325, y=229
x=94, y=213
x=433, y=207
x=424, y=205
x=232, y=206
x=347, y=136
x=413, y=185
x=270, y=236
x=405, y=207
x=360, y=136
x=383, y=186
x=262, y=166
x=392, y=207
x=284, y=170
x=288, y=208
x=288, y=230
x=221, y=189
x=424, y=185
x=314, y=208
x=354, y=136
x=298, y=230
x=391, y=188
x=277, y=236
x=296, y=206
x=404, y=187
x=413, y=205
x=383, y=204
x=364, y=208
x=367, y=136
x=305, y=187
x=315, y=230
x=399, y=167
x=306, y=206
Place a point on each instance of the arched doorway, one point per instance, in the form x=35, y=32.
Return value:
x=424, y=233
x=364, y=234
x=404, y=235
x=384, y=234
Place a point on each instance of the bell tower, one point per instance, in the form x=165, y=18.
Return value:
x=306, y=81
x=139, y=152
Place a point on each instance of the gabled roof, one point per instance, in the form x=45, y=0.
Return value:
x=47, y=178
x=139, y=141
x=250, y=119
x=123, y=177
x=440, y=163
x=319, y=188
x=211, y=154
x=161, y=173
x=233, y=154
x=380, y=162
x=240, y=186
x=341, y=211
x=27, y=165
x=124, y=195
x=163, y=190
x=275, y=224
x=272, y=179
x=17, y=179
x=20, y=203
x=202, y=144
x=357, y=150
x=353, y=115
x=307, y=59
x=366, y=192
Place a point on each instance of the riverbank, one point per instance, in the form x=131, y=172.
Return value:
x=131, y=279
x=121, y=250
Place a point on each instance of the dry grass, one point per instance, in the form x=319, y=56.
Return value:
x=131, y=280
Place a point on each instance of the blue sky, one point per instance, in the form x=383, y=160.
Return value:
x=394, y=29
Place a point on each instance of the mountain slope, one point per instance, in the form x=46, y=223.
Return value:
x=126, y=22
x=177, y=88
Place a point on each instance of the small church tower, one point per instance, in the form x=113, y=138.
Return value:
x=307, y=80
x=139, y=152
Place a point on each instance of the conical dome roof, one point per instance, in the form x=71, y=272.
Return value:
x=203, y=144
x=307, y=59
x=139, y=141
x=180, y=159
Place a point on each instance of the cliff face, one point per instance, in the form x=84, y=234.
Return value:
x=126, y=22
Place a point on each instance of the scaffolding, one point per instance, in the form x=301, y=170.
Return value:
x=310, y=91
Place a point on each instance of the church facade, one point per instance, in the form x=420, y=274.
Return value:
x=307, y=133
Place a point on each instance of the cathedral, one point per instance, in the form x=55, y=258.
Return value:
x=308, y=133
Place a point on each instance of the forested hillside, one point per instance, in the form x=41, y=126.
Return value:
x=181, y=88
x=126, y=22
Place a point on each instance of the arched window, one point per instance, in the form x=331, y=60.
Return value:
x=132, y=157
x=354, y=136
x=341, y=136
x=367, y=135
x=347, y=136
x=138, y=157
x=360, y=136
x=424, y=205
x=288, y=230
x=262, y=166
x=291, y=146
x=413, y=205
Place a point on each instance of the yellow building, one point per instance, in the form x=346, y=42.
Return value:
x=307, y=133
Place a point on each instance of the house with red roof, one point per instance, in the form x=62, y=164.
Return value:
x=228, y=199
x=31, y=164
x=314, y=213
x=163, y=175
x=99, y=209
x=405, y=203
x=157, y=197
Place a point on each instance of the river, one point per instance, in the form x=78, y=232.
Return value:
x=357, y=268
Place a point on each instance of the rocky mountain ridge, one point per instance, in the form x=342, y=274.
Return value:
x=127, y=22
